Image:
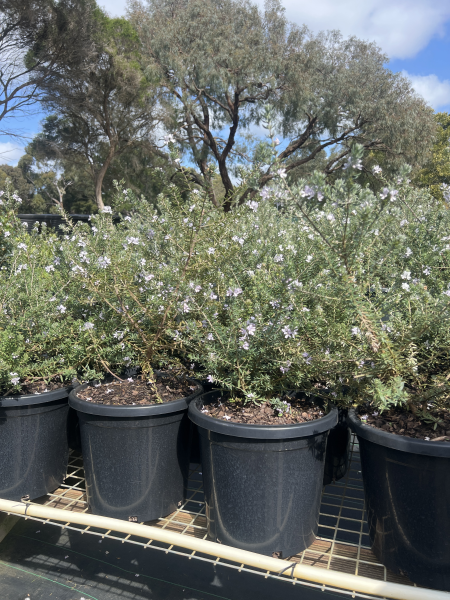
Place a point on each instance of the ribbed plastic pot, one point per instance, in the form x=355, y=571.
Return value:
x=407, y=489
x=337, y=458
x=33, y=444
x=136, y=458
x=262, y=483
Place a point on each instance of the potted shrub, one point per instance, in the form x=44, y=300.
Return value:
x=390, y=249
x=402, y=418
x=262, y=320
x=37, y=360
x=135, y=430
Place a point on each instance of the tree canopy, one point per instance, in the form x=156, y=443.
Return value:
x=102, y=108
x=220, y=62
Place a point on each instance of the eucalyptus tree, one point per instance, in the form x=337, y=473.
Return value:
x=220, y=64
x=104, y=107
x=36, y=37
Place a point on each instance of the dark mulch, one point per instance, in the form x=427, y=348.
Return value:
x=37, y=387
x=300, y=411
x=135, y=391
x=404, y=423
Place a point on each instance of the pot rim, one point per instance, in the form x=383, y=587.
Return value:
x=397, y=442
x=149, y=410
x=267, y=432
x=34, y=399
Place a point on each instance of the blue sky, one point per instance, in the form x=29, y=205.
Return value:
x=415, y=34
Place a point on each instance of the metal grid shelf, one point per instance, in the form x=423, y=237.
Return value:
x=342, y=544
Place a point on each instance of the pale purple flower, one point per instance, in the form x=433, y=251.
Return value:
x=245, y=345
x=308, y=192
x=210, y=337
x=356, y=330
x=197, y=288
x=210, y=379
x=49, y=268
x=234, y=291
x=288, y=332
x=307, y=358
x=103, y=262
x=14, y=378
x=253, y=205
x=278, y=258
x=447, y=292
x=376, y=170
x=426, y=271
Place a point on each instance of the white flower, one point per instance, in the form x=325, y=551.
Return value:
x=88, y=326
x=185, y=307
x=253, y=205
x=212, y=296
x=22, y=246
x=408, y=252
x=376, y=170
x=49, y=268
x=426, y=271
x=309, y=258
x=14, y=378
x=61, y=308
x=356, y=330
x=127, y=218
x=103, y=262
x=278, y=258
x=245, y=345
x=288, y=332
x=107, y=210
x=356, y=164
x=211, y=250
x=210, y=337
x=403, y=223
x=265, y=193
x=210, y=379
x=197, y=288
x=406, y=275
x=405, y=286
x=384, y=193
x=118, y=335
x=447, y=292
x=276, y=141
x=133, y=240
x=282, y=173
x=7, y=233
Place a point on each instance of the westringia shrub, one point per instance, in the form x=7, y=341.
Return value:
x=38, y=321
x=388, y=257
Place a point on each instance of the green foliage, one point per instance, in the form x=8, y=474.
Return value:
x=388, y=395
x=437, y=171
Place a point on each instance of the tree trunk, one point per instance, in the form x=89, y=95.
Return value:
x=101, y=175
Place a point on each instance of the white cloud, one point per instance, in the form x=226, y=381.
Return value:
x=430, y=87
x=400, y=27
x=10, y=153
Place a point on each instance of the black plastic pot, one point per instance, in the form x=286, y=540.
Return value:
x=407, y=488
x=136, y=458
x=262, y=483
x=337, y=458
x=33, y=444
